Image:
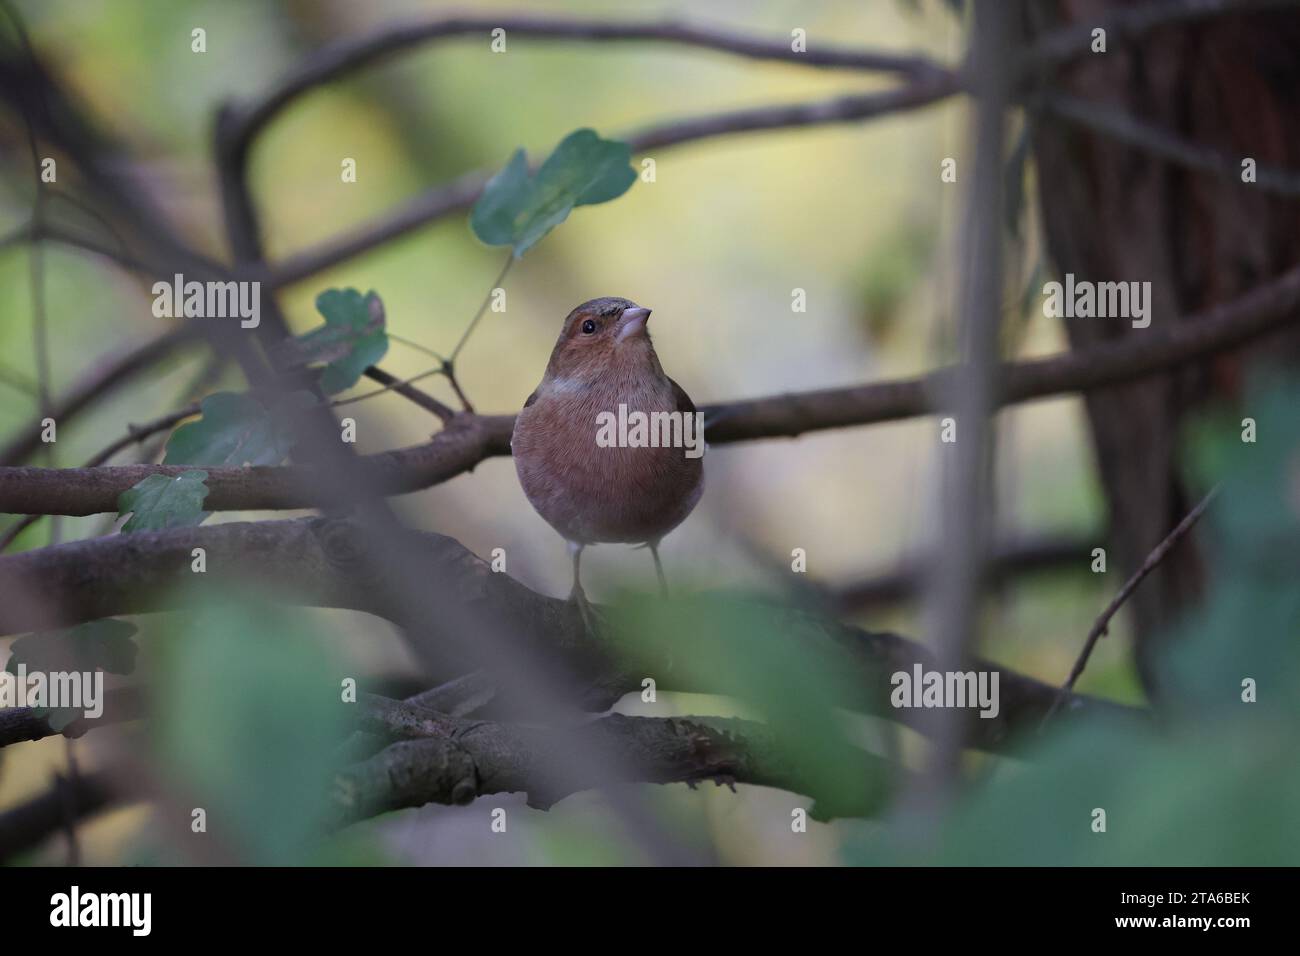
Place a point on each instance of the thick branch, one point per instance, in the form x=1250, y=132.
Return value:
x=470, y=439
x=448, y=760
x=456, y=450
x=321, y=562
x=459, y=760
x=18, y=724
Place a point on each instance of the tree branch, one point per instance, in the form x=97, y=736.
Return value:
x=323, y=563
x=449, y=760
x=453, y=761
x=461, y=193
x=1130, y=23
x=1101, y=627
x=107, y=375
x=336, y=60
x=469, y=439
x=18, y=724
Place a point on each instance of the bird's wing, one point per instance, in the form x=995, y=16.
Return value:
x=681, y=399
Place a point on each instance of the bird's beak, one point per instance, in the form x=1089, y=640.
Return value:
x=634, y=321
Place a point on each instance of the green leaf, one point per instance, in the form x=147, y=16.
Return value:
x=250, y=714
x=1213, y=779
x=97, y=645
x=238, y=429
x=518, y=210
x=161, y=501
x=351, y=340
x=757, y=652
x=1222, y=795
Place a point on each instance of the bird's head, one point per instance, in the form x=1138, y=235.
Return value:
x=599, y=336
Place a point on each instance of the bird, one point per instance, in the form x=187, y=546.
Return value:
x=592, y=491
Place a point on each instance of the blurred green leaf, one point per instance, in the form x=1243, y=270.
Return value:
x=1251, y=540
x=161, y=501
x=352, y=339
x=238, y=429
x=1222, y=796
x=1216, y=781
x=105, y=645
x=895, y=265
x=775, y=660
x=1259, y=512
x=518, y=210
x=96, y=645
x=249, y=716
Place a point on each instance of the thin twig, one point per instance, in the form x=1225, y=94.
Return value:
x=17, y=381
x=410, y=343
x=1101, y=626
x=394, y=385
x=105, y=376
x=344, y=56
x=407, y=391
x=96, y=215
x=461, y=193
x=18, y=527
x=447, y=366
x=455, y=387
x=483, y=306
x=36, y=262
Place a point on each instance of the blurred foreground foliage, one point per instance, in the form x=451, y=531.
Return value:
x=248, y=720
x=1215, y=781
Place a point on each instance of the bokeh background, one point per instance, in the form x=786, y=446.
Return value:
x=855, y=215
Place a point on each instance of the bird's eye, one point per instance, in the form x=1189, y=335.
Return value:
x=588, y=327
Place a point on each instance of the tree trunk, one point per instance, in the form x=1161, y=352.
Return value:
x=1112, y=211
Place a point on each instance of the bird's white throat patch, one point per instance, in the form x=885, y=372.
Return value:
x=567, y=386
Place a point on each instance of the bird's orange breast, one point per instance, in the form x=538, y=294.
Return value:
x=591, y=493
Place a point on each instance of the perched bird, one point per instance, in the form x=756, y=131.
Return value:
x=591, y=490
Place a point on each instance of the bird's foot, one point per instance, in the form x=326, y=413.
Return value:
x=590, y=616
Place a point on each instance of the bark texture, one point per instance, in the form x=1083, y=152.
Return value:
x=1113, y=211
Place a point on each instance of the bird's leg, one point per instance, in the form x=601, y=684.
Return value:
x=578, y=595
x=659, y=568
